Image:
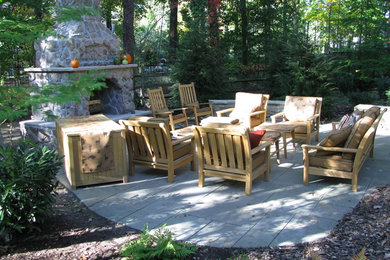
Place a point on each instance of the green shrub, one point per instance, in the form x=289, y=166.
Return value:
x=27, y=182
x=158, y=246
x=366, y=97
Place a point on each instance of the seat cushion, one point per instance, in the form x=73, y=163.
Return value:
x=298, y=108
x=357, y=133
x=255, y=137
x=178, y=116
x=181, y=149
x=336, y=138
x=335, y=162
x=203, y=109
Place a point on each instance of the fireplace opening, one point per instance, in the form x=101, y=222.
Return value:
x=107, y=100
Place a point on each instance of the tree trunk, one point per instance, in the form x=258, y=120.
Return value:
x=173, y=30
x=212, y=9
x=244, y=32
x=128, y=27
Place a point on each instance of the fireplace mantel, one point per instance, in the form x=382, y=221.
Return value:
x=79, y=69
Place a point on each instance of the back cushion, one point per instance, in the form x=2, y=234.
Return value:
x=245, y=103
x=335, y=138
x=373, y=110
x=299, y=108
x=357, y=133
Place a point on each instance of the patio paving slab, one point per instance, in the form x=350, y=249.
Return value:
x=281, y=211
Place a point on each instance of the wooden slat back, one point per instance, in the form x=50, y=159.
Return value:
x=187, y=94
x=224, y=149
x=157, y=100
x=149, y=140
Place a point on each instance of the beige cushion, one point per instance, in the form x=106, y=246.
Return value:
x=336, y=138
x=357, y=133
x=298, y=108
x=245, y=103
x=335, y=162
x=181, y=149
x=375, y=110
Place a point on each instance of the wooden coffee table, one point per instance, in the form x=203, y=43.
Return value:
x=283, y=129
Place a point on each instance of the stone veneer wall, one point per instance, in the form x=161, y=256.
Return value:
x=88, y=40
x=120, y=94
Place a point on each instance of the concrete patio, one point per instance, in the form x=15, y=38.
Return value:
x=281, y=211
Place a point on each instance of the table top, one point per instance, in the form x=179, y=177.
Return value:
x=220, y=120
x=279, y=127
x=90, y=123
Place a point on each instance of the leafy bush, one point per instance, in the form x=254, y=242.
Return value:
x=158, y=246
x=27, y=182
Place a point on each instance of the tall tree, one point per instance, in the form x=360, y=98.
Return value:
x=174, y=4
x=244, y=32
x=128, y=27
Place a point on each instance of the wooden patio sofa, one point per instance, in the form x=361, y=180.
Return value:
x=343, y=152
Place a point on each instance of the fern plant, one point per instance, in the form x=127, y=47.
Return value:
x=158, y=246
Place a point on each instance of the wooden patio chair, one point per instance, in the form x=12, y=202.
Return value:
x=226, y=153
x=249, y=108
x=150, y=144
x=188, y=99
x=304, y=112
x=160, y=108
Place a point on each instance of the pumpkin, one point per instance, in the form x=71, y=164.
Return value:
x=75, y=64
x=128, y=57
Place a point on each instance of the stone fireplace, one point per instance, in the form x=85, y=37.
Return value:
x=95, y=46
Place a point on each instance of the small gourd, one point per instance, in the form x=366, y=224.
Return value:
x=75, y=63
x=124, y=61
x=128, y=58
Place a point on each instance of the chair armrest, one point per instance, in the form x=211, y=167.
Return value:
x=179, y=140
x=257, y=113
x=164, y=113
x=330, y=149
x=181, y=108
x=224, y=111
x=260, y=147
x=274, y=117
x=204, y=103
x=313, y=117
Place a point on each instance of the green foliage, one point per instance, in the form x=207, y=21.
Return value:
x=27, y=182
x=361, y=255
x=364, y=97
x=15, y=101
x=158, y=246
x=197, y=60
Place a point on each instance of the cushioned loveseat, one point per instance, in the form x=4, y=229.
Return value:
x=343, y=152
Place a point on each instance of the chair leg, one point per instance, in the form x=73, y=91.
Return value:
x=201, y=179
x=171, y=174
x=248, y=187
x=354, y=181
x=305, y=176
